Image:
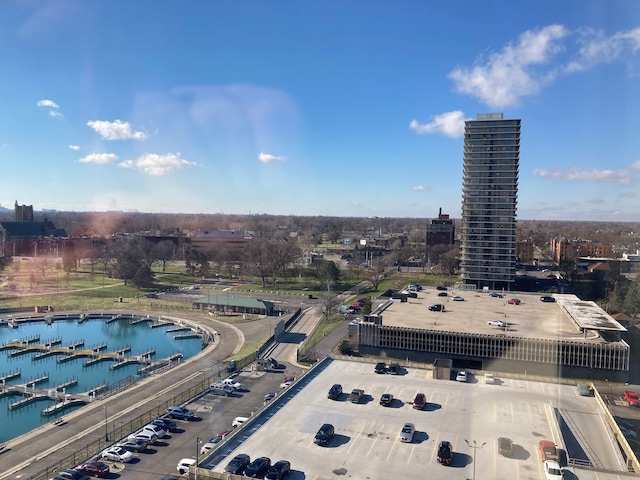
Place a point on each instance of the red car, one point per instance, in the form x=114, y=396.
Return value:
x=419, y=401
x=355, y=306
x=548, y=450
x=632, y=398
x=95, y=469
x=514, y=301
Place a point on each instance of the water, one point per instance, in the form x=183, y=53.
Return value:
x=119, y=334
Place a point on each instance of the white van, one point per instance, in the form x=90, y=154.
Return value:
x=146, y=435
x=489, y=378
x=239, y=421
x=160, y=433
x=219, y=388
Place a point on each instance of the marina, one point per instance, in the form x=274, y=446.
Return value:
x=51, y=364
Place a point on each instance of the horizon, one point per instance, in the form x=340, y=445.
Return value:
x=316, y=108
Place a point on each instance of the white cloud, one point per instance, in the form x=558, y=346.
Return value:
x=268, y=158
x=635, y=165
x=450, y=124
x=48, y=104
x=581, y=175
x=55, y=113
x=74, y=147
x=99, y=158
x=420, y=187
x=598, y=48
x=510, y=74
x=154, y=164
x=116, y=130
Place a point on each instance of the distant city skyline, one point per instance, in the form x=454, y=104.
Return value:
x=352, y=109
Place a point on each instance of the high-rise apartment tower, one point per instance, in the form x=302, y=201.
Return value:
x=489, y=196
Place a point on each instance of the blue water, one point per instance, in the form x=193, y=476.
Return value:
x=119, y=334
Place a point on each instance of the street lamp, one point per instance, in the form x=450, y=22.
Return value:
x=475, y=447
x=106, y=425
x=197, y=456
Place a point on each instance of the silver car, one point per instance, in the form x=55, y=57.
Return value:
x=406, y=434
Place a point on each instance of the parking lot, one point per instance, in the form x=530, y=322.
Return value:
x=366, y=444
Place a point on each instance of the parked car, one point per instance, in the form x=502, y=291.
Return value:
x=164, y=423
x=495, y=295
x=145, y=435
x=457, y=298
x=497, y=323
x=72, y=474
x=220, y=388
x=436, y=307
x=355, y=306
x=445, y=455
x=269, y=396
x=505, y=446
x=345, y=310
x=238, y=464
x=286, y=383
x=335, y=391
x=134, y=445
x=258, y=468
x=632, y=398
x=239, y=421
x=159, y=431
x=548, y=450
x=407, y=432
x=419, y=401
x=180, y=413
x=324, y=435
x=584, y=390
x=356, y=395
x=552, y=470
x=513, y=301
x=394, y=369
x=461, y=376
x=206, y=447
x=443, y=294
x=117, y=454
x=184, y=464
x=94, y=469
x=232, y=383
x=380, y=367
x=441, y=287
x=489, y=378
x=386, y=399
x=547, y=298
x=278, y=470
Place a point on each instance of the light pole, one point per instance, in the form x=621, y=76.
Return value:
x=197, y=456
x=475, y=447
x=106, y=425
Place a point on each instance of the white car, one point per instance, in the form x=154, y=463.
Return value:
x=497, y=323
x=457, y=298
x=286, y=384
x=406, y=434
x=232, y=383
x=552, y=470
x=462, y=376
x=184, y=464
x=117, y=454
x=238, y=421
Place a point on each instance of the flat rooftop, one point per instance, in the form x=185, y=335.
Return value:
x=366, y=445
x=532, y=318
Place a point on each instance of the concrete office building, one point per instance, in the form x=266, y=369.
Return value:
x=489, y=195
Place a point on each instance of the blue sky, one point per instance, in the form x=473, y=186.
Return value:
x=336, y=108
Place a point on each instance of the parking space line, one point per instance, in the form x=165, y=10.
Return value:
x=433, y=451
x=374, y=441
x=356, y=437
x=395, y=441
x=294, y=438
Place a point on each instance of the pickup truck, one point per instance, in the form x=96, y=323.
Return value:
x=356, y=395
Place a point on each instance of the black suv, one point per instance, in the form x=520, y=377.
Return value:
x=380, y=367
x=444, y=453
x=278, y=470
x=258, y=468
x=237, y=465
x=324, y=435
x=335, y=391
x=505, y=446
x=437, y=307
